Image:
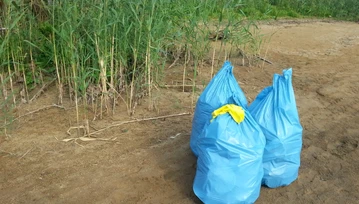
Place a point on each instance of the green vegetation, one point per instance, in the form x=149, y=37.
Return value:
x=101, y=51
x=106, y=52
x=338, y=9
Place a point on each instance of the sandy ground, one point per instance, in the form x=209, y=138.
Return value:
x=150, y=161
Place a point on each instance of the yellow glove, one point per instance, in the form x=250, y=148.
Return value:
x=235, y=111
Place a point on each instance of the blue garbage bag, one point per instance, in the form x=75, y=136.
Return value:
x=229, y=164
x=221, y=90
x=275, y=111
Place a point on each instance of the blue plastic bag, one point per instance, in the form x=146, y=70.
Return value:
x=221, y=90
x=275, y=111
x=229, y=165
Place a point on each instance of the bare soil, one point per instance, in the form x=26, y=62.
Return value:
x=151, y=162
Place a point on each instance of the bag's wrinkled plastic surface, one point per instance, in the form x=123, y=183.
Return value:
x=220, y=91
x=229, y=165
x=275, y=111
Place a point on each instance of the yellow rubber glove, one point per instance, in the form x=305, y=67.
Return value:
x=235, y=111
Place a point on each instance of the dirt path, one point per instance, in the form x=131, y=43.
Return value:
x=150, y=161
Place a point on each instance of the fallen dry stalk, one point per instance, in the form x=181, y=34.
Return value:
x=9, y=153
x=264, y=60
x=137, y=120
x=87, y=139
x=185, y=85
x=77, y=128
x=41, y=90
x=28, y=151
x=173, y=63
x=32, y=112
x=87, y=136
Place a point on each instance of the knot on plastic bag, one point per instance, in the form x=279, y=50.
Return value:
x=235, y=111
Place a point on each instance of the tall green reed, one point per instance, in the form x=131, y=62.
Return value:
x=106, y=52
